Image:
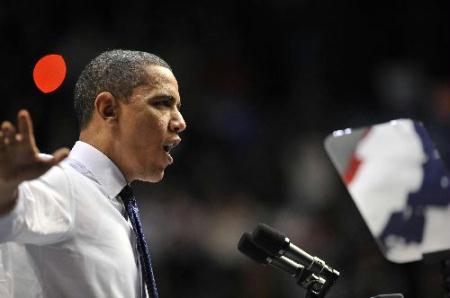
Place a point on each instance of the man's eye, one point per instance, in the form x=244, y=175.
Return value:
x=165, y=103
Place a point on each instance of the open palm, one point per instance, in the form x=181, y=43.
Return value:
x=19, y=155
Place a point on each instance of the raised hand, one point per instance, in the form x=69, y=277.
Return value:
x=19, y=156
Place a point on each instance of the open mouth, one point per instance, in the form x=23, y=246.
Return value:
x=169, y=146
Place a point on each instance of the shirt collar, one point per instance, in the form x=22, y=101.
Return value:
x=103, y=168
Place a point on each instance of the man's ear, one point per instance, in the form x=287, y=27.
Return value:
x=106, y=106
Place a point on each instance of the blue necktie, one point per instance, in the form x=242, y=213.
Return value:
x=131, y=206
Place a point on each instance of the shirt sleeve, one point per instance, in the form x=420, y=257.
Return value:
x=43, y=213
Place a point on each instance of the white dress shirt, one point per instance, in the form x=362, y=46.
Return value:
x=67, y=237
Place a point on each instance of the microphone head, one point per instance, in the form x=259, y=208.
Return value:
x=269, y=239
x=251, y=250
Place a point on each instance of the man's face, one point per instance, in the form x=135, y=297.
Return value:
x=149, y=125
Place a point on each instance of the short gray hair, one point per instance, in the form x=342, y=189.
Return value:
x=115, y=71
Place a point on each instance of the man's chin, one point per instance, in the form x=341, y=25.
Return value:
x=154, y=177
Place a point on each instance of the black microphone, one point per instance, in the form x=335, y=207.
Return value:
x=249, y=248
x=275, y=243
x=305, y=278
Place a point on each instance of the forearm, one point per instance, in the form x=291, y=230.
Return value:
x=8, y=197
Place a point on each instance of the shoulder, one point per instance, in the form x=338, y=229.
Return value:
x=57, y=175
x=56, y=179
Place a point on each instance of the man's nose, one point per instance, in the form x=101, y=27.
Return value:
x=177, y=123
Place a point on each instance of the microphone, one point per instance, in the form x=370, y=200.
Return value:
x=249, y=248
x=275, y=243
x=305, y=278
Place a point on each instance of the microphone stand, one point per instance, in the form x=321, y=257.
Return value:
x=317, y=286
x=445, y=270
x=310, y=295
x=442, y=257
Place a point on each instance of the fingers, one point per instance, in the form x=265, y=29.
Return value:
x=8, y=132
x=46, y=162
x=24, y=123
x=25, y=126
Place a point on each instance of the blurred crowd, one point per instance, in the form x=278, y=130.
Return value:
x=262, y=84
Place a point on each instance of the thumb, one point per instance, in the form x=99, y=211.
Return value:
x=59, y=155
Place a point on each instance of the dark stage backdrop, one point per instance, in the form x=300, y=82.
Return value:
x=262, y=84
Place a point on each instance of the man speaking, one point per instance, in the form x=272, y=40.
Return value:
x=70, y=227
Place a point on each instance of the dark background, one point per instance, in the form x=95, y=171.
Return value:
x=262, y=84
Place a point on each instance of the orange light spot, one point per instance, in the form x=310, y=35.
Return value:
x=49, y=72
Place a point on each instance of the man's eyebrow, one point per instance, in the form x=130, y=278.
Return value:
x=162, y=96
x=165, y=97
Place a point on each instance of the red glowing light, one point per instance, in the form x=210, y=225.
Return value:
x=49, y=72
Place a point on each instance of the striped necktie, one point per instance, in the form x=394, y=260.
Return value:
x=131, y=207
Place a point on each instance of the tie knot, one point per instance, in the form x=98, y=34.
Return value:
x=126, y=194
